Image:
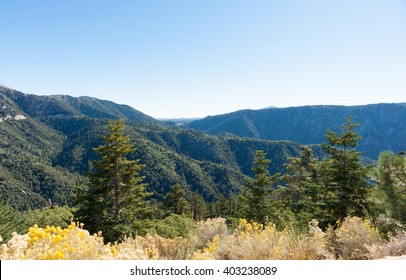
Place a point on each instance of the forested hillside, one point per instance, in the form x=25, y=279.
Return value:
x=28, y=178
x=58, y=106
x=47, y=153
x=381, y=125
x=185, y=194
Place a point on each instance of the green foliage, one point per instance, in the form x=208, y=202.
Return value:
x=303, y=187
x=197, y=206
x=11, y=221
x=27, y=178
x=175, y=225
x=343, y=176
x=388, y=198
x=175, y=201
x=222, y=207
x=329, y=190
x=62, y=106
x=381, y=125
x=260, y=190
x=47, y=154
x=50, y=216
x=114, y=199
x=44, y=157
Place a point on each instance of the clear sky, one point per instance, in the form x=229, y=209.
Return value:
x=193, y=58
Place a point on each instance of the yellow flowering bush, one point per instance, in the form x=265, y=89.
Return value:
x=157, y=247
x=54, y=243
x=351, y=240
x=75, y=243
x=255, y=241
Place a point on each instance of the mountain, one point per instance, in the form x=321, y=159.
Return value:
x=28, y=179
x=59, y=106
x=46, y=148
x=382, y=126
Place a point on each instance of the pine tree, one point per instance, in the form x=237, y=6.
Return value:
x=344, y=177
x=197, y=206
x=114, y=200
x=259, y=190
x=11, y=221
x=390, y=192
x=175, y=201
x=301, y=193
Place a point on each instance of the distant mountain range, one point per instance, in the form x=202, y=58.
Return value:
x=382, y=126
x=46, y=143
x=45, y=152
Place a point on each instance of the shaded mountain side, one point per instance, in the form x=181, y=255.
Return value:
x=28, y=179
x=67, y=106
x=96, y=108
x=198, y=162
x=46, y=152
x=382, y=126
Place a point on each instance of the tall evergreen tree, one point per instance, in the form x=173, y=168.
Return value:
x=344, y=177
x=390, y=192
x=114, y=200
x=301, y=193
x=11, y=221
x=175, y=201
x=197, y=206
x=259, y=189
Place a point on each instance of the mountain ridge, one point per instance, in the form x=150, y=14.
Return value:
x=65, y=105
x=44, y=157
x=307, y=124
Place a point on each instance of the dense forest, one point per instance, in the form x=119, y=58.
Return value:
x=381, y=127
x=55, y=143
x=127, y=175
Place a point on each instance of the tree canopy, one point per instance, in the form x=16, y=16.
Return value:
x=114, y=200
x=343, y=176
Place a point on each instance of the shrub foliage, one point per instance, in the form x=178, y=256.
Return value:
x=353, y=239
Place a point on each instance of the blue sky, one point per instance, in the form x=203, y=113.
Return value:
x=193, y=58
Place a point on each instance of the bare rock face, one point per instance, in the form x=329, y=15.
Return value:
x=19, y=117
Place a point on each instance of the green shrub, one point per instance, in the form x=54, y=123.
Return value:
x=175, y=225
x=11, y=221
x=55, y=216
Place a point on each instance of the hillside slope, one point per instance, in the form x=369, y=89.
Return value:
x=47, y=150
x=28, y=178
x=382, y=126
x=38, y=106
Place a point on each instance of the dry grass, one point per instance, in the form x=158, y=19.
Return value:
x=353, y=239
x=209, y=229
x=253, y=241
x=396, y=246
